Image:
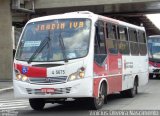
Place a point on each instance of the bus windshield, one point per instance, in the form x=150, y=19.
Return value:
x=154, y=48
x=55, y=40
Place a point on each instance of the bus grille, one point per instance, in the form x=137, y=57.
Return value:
x=57, y=91
x=156, y=71
x=48, y=80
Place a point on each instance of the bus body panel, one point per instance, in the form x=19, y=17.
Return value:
x=78, y=88
x=111, y=70
x=133, y=67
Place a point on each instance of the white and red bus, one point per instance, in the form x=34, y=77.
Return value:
x=79, y=55
x=154, y=55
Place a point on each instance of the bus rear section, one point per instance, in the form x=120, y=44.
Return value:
x=79, y=55
x=154, y=56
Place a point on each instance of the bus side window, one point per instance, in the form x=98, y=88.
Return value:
x=142, y=43
x=111, y=31
x=111, y=41
x=123, y=44
x=99, y=45
x=133, y=42
x=141, y=37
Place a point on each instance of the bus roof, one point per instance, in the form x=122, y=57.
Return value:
x=86, y=14
x=78, y=14
x=122, y=23
x=154, y=36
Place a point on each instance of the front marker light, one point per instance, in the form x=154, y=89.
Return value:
x=81, y=74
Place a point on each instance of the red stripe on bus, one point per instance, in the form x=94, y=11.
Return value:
x=155, y=64
x=96, y=86
x=35, y=72
x=114, y=84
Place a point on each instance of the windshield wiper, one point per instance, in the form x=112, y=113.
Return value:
x=62, y=47
x=40, y=48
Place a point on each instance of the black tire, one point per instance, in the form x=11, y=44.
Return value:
x=133, y=91
x=97, y=102
x=150, y=76
x=37, y=104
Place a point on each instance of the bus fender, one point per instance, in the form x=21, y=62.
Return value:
x=97, y=84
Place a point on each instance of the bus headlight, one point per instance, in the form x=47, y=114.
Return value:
x=18, y=76
x=73, y=77
x=24, y=78
x=21, y=77
x=77, y=75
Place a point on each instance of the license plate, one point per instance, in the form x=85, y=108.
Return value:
x=48, y=90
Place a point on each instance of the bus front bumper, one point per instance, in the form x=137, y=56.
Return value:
x=154, y=70
x=72, y=89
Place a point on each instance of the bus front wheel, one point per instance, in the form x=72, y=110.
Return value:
x=97, y=102
x=37, y=104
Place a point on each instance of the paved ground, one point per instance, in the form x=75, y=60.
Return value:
x=5, y=84
x=147, y=99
